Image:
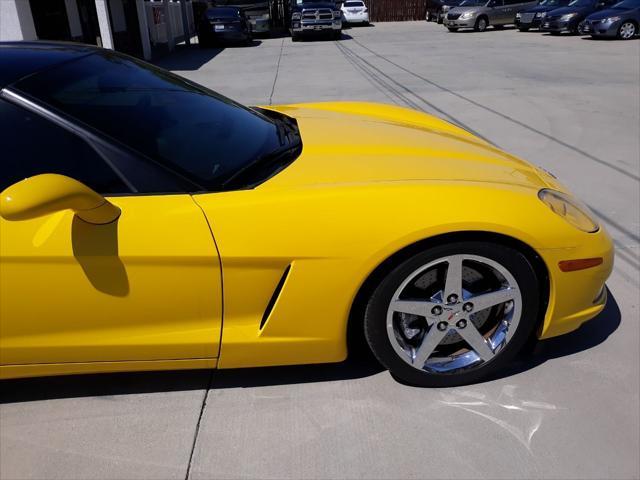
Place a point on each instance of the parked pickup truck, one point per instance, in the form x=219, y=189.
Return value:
x=314, y=16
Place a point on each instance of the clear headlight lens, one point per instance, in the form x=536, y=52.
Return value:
x=296, y=16
x=567, y=17
x=611, y=19
x=466, y=15
x=518, y=15
x=539, y=14
x=337, y=14
x=570, y=209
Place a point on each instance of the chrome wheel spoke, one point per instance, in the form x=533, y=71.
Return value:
x=431, y=340
x=476, y=341
x=421, y=308
x=453, y=281
x=449, y=340
x=487, y=300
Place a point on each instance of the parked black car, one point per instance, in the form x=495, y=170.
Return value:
x=532, y=17
x=567, y=19
x=620, y=21
x=437, y=9
x=224, y=24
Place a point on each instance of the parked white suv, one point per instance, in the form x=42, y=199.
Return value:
x=355, y=11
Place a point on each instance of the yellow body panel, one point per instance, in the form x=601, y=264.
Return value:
x=371, y=180
x=146, y=287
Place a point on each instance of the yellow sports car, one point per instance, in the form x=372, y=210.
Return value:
x=149, y=223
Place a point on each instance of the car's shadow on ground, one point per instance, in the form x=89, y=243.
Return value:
x=361, y=365
x=591, y=334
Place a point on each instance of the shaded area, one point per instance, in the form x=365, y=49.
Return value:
x=187, y=57
x=95, y=247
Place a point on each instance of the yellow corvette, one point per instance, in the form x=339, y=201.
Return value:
x=148, y=223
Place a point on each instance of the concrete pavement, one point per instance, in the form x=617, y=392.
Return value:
x=569, y=104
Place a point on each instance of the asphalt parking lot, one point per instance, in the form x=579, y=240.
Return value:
x=569, y=104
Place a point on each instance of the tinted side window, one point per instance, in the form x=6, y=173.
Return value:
x=515, y=2
x=32, y=145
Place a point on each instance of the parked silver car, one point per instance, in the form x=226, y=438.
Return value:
x=479, y=14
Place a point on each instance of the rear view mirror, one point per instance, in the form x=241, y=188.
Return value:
x=48, y=193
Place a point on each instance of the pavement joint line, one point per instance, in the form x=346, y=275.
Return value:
x=506, y=117
x=275, y=78
x=200, y=416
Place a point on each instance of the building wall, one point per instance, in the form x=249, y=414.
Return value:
x=16, y=21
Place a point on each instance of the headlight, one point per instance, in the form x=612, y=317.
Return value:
x=296, y=16
x=445, y=8
x=570, y=209
x=518, y=15
x=567, y=17
x=611, y=19
x=466, y=15
x=539, y=15
x=337, y=14
x=543, y=14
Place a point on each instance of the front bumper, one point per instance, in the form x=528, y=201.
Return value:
x=460, y=23
x=556, y=26
x=597, y=28
x=575, y=297
x=309, y=26
x=534, y=23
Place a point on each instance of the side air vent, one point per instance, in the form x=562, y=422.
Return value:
x=274, y=297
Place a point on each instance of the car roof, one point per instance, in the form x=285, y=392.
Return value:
x=20, y=59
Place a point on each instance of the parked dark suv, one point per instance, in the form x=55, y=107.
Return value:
x=532, y=17
x=567, y=19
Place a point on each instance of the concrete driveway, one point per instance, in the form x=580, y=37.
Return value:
x=569, y=104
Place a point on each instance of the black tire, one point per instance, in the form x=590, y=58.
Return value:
x=524, y=29
x=337, y=35
x=375, y=317
x=498, y=27
x=439, y=19
x=481, y=24
x=453, y=29
x=295, y=37
x=554, y=33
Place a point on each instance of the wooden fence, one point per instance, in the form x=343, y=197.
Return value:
x=396, y=10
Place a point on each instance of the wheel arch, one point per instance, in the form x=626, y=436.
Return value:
x=355, y=334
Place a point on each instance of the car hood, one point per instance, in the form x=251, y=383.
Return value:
x=463, y=9
x=611, y=12
x=302, y=6
x=350, y=142
x=539, y=8
x=566, y=10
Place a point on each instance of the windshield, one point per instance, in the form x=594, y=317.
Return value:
x=353, y=4
x=581, y=3
x=552, y=3
x=627, y=5
x=473, y=3
x=187, y=128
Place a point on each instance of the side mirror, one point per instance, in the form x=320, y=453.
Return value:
x=48, y=193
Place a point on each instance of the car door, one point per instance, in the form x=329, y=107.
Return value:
x=144, y=287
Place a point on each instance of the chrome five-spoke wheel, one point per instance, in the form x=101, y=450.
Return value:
x=472, y=308
x=453, y=314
